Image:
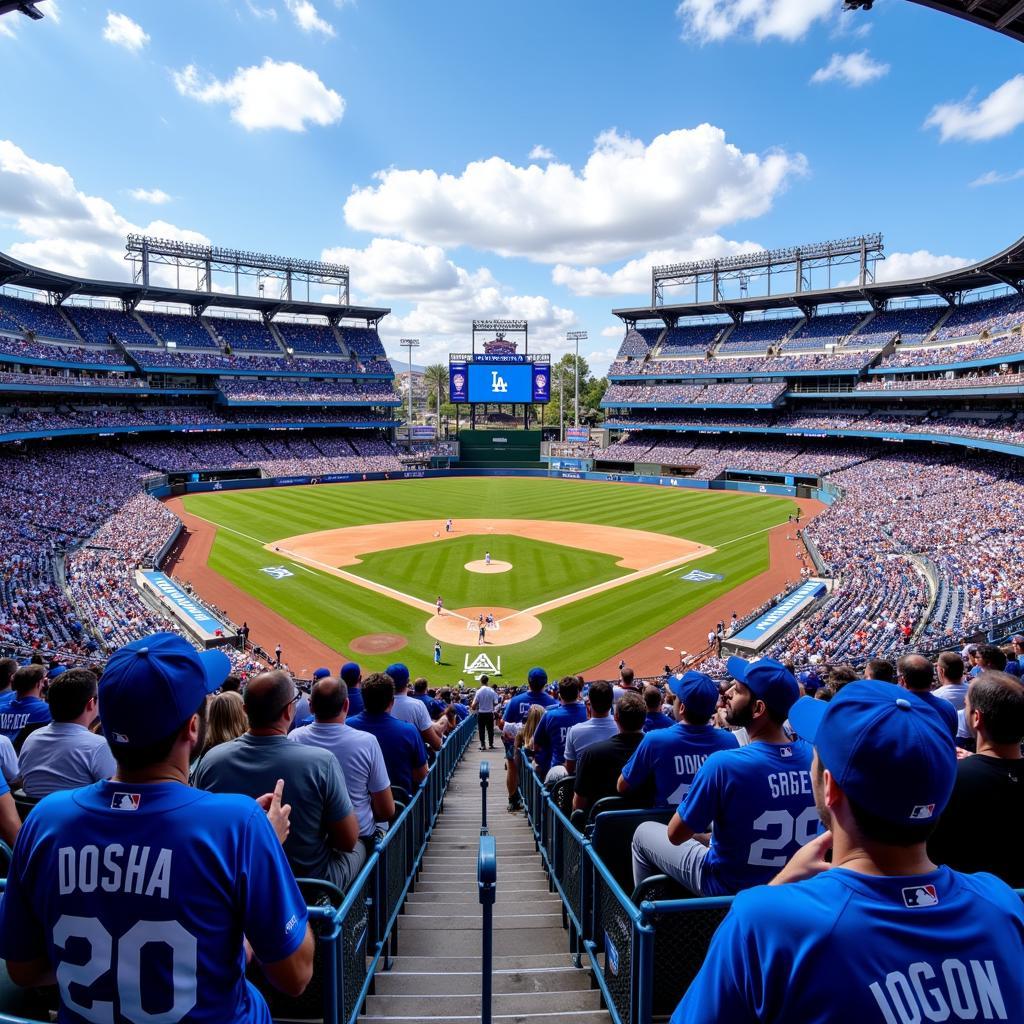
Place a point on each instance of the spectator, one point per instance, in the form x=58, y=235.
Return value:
x=626, y=683
x=324, y=837
x=233, y=684
x=668, y=759
x=915, y=673
x=1013, y=666
x=513, y=717
x=145, y=860
x=407, y=709
x=8, y=666
x=549, y=739
x=419, y=692
x=757, y=797
x=358, y=754
x=599, y=726
x=484, y=704
x=880, y=669
x=27, y=710
x=598, y=768
x=990, y=659
x=352, y=676
x=901, y=928
x=65, y=754
x=525, y=738
x=405, y=756
x=950, y=669
x=656, y=718
x=979, y=829
x=225, y=721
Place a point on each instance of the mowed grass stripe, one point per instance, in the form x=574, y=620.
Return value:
x=574, y=636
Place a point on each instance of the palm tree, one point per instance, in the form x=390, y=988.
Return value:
x=436, y=376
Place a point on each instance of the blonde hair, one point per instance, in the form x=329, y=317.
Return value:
x=533, y=717
x=225, y=719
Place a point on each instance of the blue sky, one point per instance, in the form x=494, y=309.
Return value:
x=470, y=159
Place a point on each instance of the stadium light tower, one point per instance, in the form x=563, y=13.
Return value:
x=576, y=336
x=410, y=344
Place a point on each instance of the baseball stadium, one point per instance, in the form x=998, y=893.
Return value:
x=529, y=686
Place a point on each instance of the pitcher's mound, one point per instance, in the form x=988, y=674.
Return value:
x=377, y=643
x=481, y=566
x=461, y=627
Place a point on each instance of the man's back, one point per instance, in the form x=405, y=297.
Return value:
x=22, y=711
x=954, y=693
x=946, y=711
x=400, y=743
x=598, y=768
x=942, y=946
x=585, y=734
x=408, y=709
x=485, y=700
x=104, y=872
x=313, y=785
x=657, y=720
x=549, y=739
x=519, y=706
x=63, y=755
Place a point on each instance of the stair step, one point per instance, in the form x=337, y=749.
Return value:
x=413, y=963
x=463, y=1005
x=472, y=922
x=573, y=1017
x=538, y=979
x=471, y=896
x=466, y=942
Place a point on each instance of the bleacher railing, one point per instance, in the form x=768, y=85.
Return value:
x=360, y=935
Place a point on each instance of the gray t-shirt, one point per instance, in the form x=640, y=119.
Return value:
x=313, y=785
x=63, y=755
x=409, y=709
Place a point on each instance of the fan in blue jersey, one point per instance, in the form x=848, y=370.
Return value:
x=670, y=758
x=514, y=714
x=757, y=797
x=880, y=935
x=27, y=707
x=549, y=739
x=134, y=895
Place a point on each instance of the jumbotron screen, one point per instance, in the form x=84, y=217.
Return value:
x=499, y=383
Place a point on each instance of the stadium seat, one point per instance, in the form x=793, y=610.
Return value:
x=24, y=803
x=561, y=794
x=612, y=839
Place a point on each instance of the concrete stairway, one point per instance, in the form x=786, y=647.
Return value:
x=436, y=975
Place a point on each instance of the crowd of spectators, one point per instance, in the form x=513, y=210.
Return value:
x=98, y=325
x=321, y=391
x=990, y=316
x=1011, y=345
x=727, y=366
x=691, y=340
x=911, y=326
x=740, y=393
x=308, y=337
x=758, y=335
x=634, y=345
x=87, y=355
x=37, y=318
x=248, y=334
x=968, y=380
x=364, y=343
x=178, y=329
x=818, y=331
x=60, y=379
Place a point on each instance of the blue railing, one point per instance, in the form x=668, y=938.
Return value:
x=487, y=889
x=358, y=937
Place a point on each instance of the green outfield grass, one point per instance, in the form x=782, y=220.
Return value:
x=574, y=637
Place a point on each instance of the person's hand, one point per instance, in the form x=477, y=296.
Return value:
x=278, y=813
x=807, y=862
x=962, y=754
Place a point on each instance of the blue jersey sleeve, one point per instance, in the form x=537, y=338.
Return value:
x=273, y=911
x=22, y=936
x=700, y=805
x=638, y=767
x=542, y=745
x=418, y=748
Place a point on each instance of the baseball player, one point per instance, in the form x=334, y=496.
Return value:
x=440, y=605
x=437, y=652
x=487, y=558
x=916, y=942
x=447, y=526
x=135, y=894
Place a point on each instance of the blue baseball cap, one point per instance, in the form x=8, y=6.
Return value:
x=351, y=673
x=153, y=685
x=400, y=674
x=57, y=670
x=810, y=680
x=537, y=677
x=888, y=750
x=697, y=692
x=768, y=680
x=321, y=673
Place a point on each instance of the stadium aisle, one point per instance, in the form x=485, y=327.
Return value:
x=436, y=976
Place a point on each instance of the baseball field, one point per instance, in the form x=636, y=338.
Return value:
x=566, y=574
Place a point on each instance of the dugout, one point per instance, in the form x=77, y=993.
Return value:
x=500, y=449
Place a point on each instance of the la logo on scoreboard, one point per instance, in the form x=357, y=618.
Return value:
x=499, y=385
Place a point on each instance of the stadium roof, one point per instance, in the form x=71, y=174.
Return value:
x=1006, y=16
x=14, y=272
x=25, y=6
x=1006, y=267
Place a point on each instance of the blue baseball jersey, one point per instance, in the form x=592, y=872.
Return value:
x=355, y=701
x=461, y=711
x=846, y=948
x=400, y=743
x=19, y=712
x=549, y=739
x=947, y=712
x=759, y=799
x=519, y=706
x=672, y=758
x=140, y=895
x=657, y=720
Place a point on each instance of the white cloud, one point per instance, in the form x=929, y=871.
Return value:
x=997, y=178
x=261, y=13
x=634, y=277
x=855, y=69
x=156, y=196
x=272, y=95
x=714, y=20
x=997, y=114
x=906, y=266
x=62, y=227
x=627, y=197
x=390, y=269
x=6, y=31
x=615, y=331
x=540, y=152
x=307, y=17
x=122, y=31
x=52, y=11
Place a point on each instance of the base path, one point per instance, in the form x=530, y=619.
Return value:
x=690, y=633
x=300, y=651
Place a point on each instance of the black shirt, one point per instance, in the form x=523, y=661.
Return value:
x=600, y=765
x=981, y=828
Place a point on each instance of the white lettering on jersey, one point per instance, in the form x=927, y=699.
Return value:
x=963, y=992
x=10, y=722
x=90, y=868
x=789, y=784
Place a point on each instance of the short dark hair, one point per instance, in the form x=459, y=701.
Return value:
x=266, y=697
x=70, y=692
x=840, y=676
x=600, y=697
x=630, y=711
x=378, y=692
x=992, y=657
x=420, y=685
x=952, y=666
x=1000, y=699
x=137, y=758
x=569, y=689
x=8, y=666
x=653, y=698
x=27, y=678
x=879, y=668
x=231, y=684
x=327, y=698
x=446, y=695
x=917, y=671
x=626, y=674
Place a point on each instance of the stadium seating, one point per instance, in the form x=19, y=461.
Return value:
x=364, y=342
x=37, y=317
x=911, y=326
x=306, y=337
x=758, y=335
x=693, y=340
x=98, y=325
x=179, y=330
x=243, y=334
x=634, y=345
x=989, y=316
x=819, y=331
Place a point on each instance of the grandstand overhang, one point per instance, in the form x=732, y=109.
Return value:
x=1005, y=16
x=1005, y=268
x=63, y=286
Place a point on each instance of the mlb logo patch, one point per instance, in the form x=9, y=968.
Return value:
x=785, y=751
x=125, y=801
x=920, y=896
x=922, y=812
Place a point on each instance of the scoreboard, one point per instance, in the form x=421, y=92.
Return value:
x=508, y=380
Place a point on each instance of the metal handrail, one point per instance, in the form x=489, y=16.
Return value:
x=487, y=887
x=485, y=775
